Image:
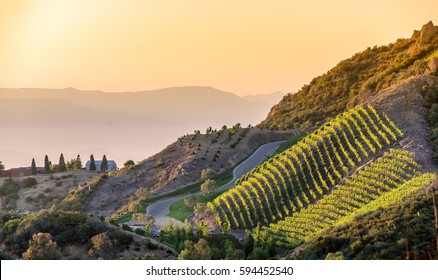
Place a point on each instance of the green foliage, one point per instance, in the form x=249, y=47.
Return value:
x=306, y=171
x=198, y=251
x=47, y=165
x=430, y=95
x=61, y=166
x=190, y=201
x=104, y=164
x=9, y=189
x=41, y=247
x=129, y=163
x=335, y=256
x=33, y=169
x=28, y=182
x=207, y=173
x=77, y=163
x=64, y=227
x=208, y=187
x=92, y=163
x=2, y=167
x=402, y=231
x=381, y=184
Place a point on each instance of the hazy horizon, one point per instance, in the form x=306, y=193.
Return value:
x=243, y=48
x=36, y=122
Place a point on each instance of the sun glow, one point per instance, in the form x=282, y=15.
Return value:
x=243, y=47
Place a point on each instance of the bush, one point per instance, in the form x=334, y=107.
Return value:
x=29, y=182
x=129, y=163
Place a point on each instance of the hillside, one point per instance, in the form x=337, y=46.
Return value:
x=180, y=164
x=357, y=183
x=353, y=80
x=306, y=172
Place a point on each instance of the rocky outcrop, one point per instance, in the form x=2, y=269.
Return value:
x=428, y=32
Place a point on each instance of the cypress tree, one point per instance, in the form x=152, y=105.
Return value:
x=62, y=166
x=92, y=163
x=78, y=163
x=104, y=164
x=33, y=167
x=46, y=164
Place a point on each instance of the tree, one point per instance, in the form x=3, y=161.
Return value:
x=190, y=201
x=2, y=167
x=103, y=247
x=61, y=164
x=92, y=163
x=104, y=164
x=198, y=251
x=33, y=167
x=199, y=209
x=46, y=164
x=207, y=174
x=78, y=163
x=129, y=162
x=208, y=187
x=189, y=253
x=204, y=251
x=41, y=247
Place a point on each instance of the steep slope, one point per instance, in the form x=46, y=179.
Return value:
x=180, y=164
x=353, y=80
x=405, y=105
x=306, y=172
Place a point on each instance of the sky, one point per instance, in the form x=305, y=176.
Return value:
x=244, y=47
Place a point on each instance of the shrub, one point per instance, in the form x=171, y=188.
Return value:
x=29, y=182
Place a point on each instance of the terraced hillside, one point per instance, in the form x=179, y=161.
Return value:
x=305, y=173
x=382, y=183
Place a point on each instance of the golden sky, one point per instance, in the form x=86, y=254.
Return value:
x=246, y=47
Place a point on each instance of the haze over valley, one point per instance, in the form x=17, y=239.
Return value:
x=130, y=125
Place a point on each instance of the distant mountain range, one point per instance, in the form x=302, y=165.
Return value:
x=126, y=124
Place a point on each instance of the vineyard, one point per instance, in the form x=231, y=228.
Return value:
x=382, y=183
x=302, y=175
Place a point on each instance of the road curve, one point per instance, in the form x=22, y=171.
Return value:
x=161, y=208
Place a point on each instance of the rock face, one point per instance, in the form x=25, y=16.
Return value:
x=428, y=32
x=432, y=66
x=404, y=105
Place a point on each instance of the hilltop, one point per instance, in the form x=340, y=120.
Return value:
x=354, y=80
